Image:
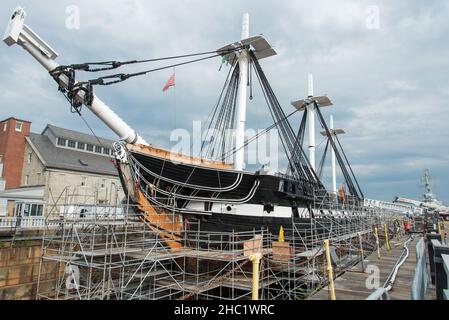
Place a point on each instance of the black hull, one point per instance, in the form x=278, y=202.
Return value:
x=183, y=183
x=171, y=187
x=223, y=223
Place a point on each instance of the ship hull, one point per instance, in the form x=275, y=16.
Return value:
x=216, y=199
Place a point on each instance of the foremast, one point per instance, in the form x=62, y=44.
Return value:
x=242, y=98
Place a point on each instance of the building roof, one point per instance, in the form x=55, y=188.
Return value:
x=12, y=118
x=24, y=194
x=67, y=159
x=78, y=136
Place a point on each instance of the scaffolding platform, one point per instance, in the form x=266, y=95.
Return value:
x=109, y=257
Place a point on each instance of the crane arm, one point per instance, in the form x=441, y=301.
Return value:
x=19, y=33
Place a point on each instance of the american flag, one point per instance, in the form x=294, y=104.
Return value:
x=170, y=83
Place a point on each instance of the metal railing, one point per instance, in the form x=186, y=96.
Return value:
x=439, y=263
x=24, y=223
x=419, y=284
x=445, y=258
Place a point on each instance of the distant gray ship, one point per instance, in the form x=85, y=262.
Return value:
x=429, y=200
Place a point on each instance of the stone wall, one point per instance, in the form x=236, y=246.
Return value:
x=20, y=267
x=33, y=168
x=64, y=188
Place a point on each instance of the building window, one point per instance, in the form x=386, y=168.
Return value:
x=36, y=210
x=26, y=210
x=90, y=147
x=106, y=151
x=39, y=178
x=27, y=179
x=30, y=156
x=62, y=142
x=81, y=145
x=5, y=126
x=29, y=210
x=19, y=126
x=98, y=149
x=72, y=144
x=103, y=183
x=18, y=209
x=83, y=181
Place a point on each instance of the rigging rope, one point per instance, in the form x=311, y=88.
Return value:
x=349, y=176
x=323, y=160
x=297, y=159
x=125, y=76
x=112, y=64
x=255, y=137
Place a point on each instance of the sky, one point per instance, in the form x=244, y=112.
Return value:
x=383, y=63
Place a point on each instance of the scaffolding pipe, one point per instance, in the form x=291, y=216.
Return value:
x=330, y=274
x=376, y=235
x=362, y=253
x=255, y=259
x=387, y=241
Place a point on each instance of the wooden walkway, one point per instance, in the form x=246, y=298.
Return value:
x=352, y=284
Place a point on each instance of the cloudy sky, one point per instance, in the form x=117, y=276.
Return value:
x=387, y=74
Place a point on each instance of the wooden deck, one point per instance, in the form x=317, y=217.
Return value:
x=352, y=284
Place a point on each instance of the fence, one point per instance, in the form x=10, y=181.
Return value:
x=24, y=223
x=439, y=266
x=419, y=285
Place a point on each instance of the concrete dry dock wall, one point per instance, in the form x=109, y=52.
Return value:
x=20, y=267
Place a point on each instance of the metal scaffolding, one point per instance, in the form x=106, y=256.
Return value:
x=111, y=253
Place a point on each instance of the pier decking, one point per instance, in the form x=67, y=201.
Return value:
x=353, y=284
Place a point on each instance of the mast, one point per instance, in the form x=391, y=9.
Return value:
x=334, y=167
x=242, y=96
x=311, y=103
x=428, y=195
x=311, y=120
x=19, y=33
x=334, y=132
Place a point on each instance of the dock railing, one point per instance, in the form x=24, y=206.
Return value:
x=439, y=265
x=419, y=285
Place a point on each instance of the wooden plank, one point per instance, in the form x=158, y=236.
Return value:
x=282, y=251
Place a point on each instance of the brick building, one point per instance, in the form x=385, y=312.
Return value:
x=12, y=144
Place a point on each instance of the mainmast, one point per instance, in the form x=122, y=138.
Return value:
x=19, y=33
x=310, y=104
x=242, y=97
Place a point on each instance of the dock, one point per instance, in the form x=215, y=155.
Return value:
x=423, y=275
x=352, y=285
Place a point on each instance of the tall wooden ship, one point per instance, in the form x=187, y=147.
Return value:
x=172, y=190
